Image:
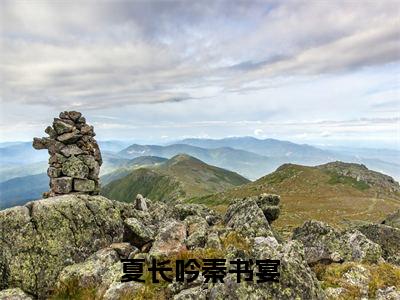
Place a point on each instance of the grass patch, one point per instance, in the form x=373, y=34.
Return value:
x=381, y=276
x=73, y=291
x=347, y=180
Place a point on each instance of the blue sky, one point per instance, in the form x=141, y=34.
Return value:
x=319, y=72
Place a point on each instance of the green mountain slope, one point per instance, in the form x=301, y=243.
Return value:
x=126, y=168
x=180, y=177
x=248, y=164
x=334, y=193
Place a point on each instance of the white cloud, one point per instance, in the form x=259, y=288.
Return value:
x=203, y=67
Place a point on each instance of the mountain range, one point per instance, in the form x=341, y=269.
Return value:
x=250, y=157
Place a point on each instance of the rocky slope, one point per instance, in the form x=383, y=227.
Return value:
x=71, y=246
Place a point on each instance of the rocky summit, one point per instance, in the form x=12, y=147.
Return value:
x=75, y=158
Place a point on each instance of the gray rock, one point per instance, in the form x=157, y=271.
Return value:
x=57, y=160
x=76, y=154
x=140, y=203
x=137, y=233
x=197, y=228
x=14, y=294
x=123, y=249
x=81, y=120
x=61, y=185
x=119, y=290
x=170, y=239
x=393, y=220
x=269, y=204
x=39, y=239
x=74, y=167
x=51, y=132
x=296, y=281
x=64, y=115
x=358, y=277
x=388, y=293
x=39, y=143
x=87, y=130
x=55, y=147
x=84, y=185
x=53, y=172
x=69, y=137
x=89, y=161
x=387, y=237
x=62, y=126
x=323, y=243
x=97, y=272
x=194, y=293
x=213, y=241
x=246, y=217
x=74, y=115
x=69, y=150
x=94, y=173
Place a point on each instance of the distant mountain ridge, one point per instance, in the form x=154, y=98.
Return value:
x=266, y=147
x=333, y=192
x=280, y=152
x=248, y=164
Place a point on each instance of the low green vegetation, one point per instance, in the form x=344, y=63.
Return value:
x=144, y=181
x=336, y=178
x=380, y=276
x=180, y=177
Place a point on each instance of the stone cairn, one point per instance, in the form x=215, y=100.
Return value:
x=75, y=157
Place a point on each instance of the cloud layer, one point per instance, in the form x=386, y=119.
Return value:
x=100, y=55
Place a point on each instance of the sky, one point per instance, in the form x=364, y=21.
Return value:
x=317, y=72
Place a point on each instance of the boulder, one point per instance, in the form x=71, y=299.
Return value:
x=269, y=204
x=393, y=220
x=194, y=293
x=324, y=244
x=296, y=281
x=39, y=239
x=387, y=237
x=97, y=272
x=136, y=233
x=120, y=290
x=170, y=239
x=123, y=249
x=14, y=294
x=140, y=203
x=246, y=217
x=197, y=228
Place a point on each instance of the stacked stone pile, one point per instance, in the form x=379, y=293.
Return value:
x=75, y=157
